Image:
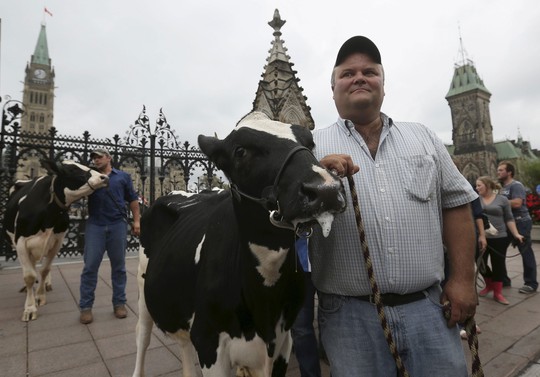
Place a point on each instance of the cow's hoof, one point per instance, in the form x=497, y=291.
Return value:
x=29, y=316
x=48, y=287
x=40, y=301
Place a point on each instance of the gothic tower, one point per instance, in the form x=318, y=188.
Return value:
x=38, y=93
x=278, y=95
x=472, y=132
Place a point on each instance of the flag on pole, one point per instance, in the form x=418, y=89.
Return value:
x=47, y=11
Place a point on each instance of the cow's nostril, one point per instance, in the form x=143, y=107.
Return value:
x=310, y=191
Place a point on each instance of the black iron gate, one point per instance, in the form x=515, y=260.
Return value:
x=157, y=163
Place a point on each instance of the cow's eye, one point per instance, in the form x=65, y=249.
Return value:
x=240, y=152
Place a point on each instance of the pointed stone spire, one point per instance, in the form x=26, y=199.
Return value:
x=278, y=51
x=466, y=77
x=278, y=94
x=41, y=53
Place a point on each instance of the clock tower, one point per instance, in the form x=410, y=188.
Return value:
x=38, y=93
x=472, y=133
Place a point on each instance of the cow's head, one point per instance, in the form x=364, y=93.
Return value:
x=271, y=163
x=73, y=180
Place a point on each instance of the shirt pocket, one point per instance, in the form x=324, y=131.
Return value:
x=419, y=177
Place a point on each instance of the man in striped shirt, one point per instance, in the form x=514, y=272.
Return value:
x=413, y=200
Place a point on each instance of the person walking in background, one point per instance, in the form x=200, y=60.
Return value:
x=481, y=245
x=303, y=333
x=106, y=230
x=497, y=208
x=515, y=192
x=413, y=199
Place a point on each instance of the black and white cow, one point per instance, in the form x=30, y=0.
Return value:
x=36, y=220
x=220, y=274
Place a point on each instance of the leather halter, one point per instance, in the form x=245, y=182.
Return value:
x=54, y=197
x=269, y=194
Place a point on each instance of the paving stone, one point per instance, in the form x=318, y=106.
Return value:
x=57, y=359
x=13, y=365
x=62, y=336
x=90, y=370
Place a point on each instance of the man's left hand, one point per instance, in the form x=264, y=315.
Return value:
x=462, y=299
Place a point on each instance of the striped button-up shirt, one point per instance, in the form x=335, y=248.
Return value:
x=402, y=193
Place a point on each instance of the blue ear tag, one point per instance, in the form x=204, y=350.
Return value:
x=301, y=246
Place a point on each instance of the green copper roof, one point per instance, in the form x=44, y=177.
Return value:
x=41, y=53
x=466, y=79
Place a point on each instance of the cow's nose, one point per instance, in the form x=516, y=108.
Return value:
x=104, y=179
x=324, y=197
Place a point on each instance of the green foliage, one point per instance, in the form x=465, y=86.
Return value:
x=530, y=175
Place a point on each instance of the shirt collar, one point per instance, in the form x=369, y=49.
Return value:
x=348, y=125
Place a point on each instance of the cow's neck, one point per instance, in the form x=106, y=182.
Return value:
x=254, y=223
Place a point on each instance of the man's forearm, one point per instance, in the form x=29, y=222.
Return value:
x=459, y=238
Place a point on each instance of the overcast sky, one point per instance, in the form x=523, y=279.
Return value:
x=201, y=60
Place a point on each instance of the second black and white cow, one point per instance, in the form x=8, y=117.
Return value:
x=222, y=276
x=36, y=220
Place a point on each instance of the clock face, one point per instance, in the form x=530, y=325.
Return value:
x=40, y=74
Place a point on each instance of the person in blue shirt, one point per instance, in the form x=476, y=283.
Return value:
x=106, y=230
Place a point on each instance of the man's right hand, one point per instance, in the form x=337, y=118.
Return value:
x=340, y=164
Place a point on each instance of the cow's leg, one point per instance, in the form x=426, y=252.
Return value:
x=189, y=355
x=28, y=265
x=48, y=281
x=41, y=296
x=281, y=359
x=143, y=330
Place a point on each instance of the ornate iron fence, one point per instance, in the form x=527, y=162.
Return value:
x=137, y=153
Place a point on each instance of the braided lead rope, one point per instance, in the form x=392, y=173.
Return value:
x=470, y=323
x=472, y=340
x=374, y=287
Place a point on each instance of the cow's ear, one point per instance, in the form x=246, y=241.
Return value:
x=303, y=136
x=212, y=147
x=50, y=166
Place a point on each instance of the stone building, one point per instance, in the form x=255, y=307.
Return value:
x=38, y=102
x=38, y=92
x=474, y=152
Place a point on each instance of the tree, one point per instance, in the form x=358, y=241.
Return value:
x=531, y=175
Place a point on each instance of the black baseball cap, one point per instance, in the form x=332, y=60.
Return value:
x=359, y=44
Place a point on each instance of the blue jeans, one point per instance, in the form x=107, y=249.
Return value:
x=303, y=335
x=354, y=341
x=524, y=227
x=98, y=238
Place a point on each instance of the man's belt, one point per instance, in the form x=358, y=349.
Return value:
x=394, y=299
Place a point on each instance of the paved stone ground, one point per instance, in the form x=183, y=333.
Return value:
x=56, y=344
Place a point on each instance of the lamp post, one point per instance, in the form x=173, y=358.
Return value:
x=140, y=132
x=12, y=111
